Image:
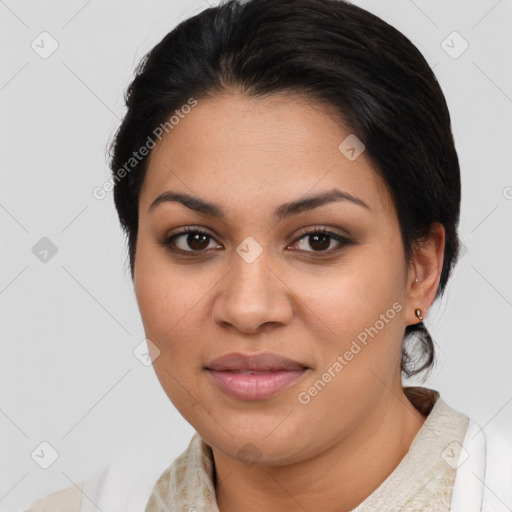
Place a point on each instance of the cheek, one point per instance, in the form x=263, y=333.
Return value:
x=167, y=294
x=362, y=316
x=359, y=310
x=349, y=298
x=170, y=312
x=169, y=302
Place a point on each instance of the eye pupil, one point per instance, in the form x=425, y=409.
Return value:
x=323, y=245
x=199, y=239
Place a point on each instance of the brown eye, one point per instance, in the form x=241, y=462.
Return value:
x=192, y=241
x=321, y=241
x=188, y=241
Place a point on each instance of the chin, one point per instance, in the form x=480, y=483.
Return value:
x=254, y=446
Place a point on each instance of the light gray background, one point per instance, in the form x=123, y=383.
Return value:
x=69, y=326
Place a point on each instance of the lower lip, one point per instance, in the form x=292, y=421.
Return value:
x=255, y=386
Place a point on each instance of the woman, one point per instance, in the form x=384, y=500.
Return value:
x=288, y=182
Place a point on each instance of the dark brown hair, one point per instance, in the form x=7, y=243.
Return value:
x=330, y=51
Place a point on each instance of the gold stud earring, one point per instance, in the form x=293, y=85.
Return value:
x=417, y=312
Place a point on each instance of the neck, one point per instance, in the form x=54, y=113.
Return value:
x=336, y=480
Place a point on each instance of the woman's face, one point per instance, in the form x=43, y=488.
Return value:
x=262, y=281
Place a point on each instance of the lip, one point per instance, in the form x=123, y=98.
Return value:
x=264, y=361
x=254, y=376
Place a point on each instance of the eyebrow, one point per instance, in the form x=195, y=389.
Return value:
x=282, y=212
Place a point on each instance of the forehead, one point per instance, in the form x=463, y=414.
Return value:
x=273, y=146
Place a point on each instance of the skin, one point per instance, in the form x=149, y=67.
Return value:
x=249, y=156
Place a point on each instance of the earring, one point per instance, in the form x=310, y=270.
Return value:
x=417, y=312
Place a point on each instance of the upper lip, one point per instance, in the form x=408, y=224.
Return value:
x=265, y=361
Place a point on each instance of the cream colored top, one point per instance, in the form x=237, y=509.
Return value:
x=422, y=481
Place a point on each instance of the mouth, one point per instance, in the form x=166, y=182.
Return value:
x=254, y=377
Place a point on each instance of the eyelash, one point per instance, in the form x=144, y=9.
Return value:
x=168, y=241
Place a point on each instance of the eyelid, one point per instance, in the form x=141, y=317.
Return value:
x=319, y=228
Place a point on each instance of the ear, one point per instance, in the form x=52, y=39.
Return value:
x=425, y=273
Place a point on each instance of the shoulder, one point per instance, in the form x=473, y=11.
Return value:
x=125, y=483
x=499, y=454
x=65, y=500
x=484, y=469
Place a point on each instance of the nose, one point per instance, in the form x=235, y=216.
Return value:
x=253, y=296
